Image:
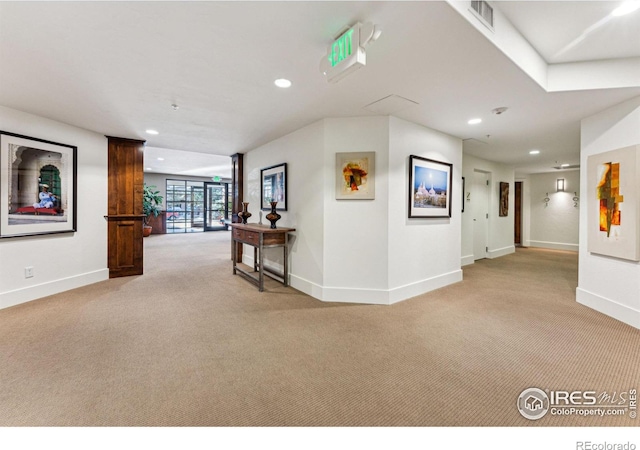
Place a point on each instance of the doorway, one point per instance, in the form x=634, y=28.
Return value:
x=480, y=211
x=216, y=206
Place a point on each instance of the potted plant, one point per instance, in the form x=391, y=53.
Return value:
x=151, y=201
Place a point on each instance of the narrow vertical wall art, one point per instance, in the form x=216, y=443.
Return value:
x=613, y=203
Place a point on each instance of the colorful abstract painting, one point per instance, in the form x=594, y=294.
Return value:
x=609, y=195
x=613, y=203
x=355, y=174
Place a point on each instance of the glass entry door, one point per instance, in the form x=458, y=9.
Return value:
x=216, y=204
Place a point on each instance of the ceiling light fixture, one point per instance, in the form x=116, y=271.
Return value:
x=499, y=110
x=282, y=83
x=148, y=168
x=160, y=159
x=175, y=107
x=625, y=8
x=151, y=132
x=534, y=152
x=474, y=121
x=564, y=165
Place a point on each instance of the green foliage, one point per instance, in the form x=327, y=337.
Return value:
x=151, y=202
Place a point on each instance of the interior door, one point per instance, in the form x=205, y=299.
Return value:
x=480, y=208
x=215, y=206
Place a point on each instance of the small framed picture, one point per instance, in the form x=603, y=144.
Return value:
x=355, y=176
x=504, y=199
x=273, y=187
x=430, y=185
x=38, y=187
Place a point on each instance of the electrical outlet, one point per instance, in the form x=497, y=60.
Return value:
x=28, y=272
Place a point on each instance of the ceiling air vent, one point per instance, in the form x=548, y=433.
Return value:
x=484, y=12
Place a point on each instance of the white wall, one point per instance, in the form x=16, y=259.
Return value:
x=303, y=151
x=361, y=251
x=424, y=254
x=608, y=285
x=501, y=229
x=356, y=232
x=61, y=261
x=554, y=224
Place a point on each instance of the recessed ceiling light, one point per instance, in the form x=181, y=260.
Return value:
x=151, y=132
x=534, y=152
x=625, y=8
x=474, y=121
x=282, y=82
x=160, y=159
x=148, y=168
x=564, y=165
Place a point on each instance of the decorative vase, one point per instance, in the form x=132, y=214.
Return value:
x=244, y=214
x=273, y=216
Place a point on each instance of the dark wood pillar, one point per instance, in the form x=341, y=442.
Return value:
x=126, y=180
x=237, y=194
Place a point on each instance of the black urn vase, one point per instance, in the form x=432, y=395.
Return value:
x=273, y=216
x=244, y=214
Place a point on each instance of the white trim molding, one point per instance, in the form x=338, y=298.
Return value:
x=554, y=245
x=27, y=294
x=606, y=306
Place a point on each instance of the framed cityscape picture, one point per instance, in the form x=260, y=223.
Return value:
x=273, y=187
x=430, y=185
x=38, y=187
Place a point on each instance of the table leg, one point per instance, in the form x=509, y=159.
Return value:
x=286, y=254
x=255, y=259
x=235, y=255
x=261, y=272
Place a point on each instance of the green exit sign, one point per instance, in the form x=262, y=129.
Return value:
x=342, y=48
x=344, y=55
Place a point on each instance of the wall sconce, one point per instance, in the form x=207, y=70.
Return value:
x=576, y=199
x=560, y=185
x=546, y=200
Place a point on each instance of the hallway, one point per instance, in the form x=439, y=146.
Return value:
x=189, y=344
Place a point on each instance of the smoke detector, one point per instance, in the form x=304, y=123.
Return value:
x=499, y=110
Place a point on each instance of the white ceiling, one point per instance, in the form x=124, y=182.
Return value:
x=117, y=67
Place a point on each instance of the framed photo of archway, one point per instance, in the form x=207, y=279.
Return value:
x=429, y=188
x=38, y=188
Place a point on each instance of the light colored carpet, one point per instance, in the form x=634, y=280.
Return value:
x=189, y=344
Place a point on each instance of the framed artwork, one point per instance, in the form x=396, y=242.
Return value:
x=504, y=199
x=430, y=185
x=613, y=205
x=38, y=187
x=273, y=187
x=355, y=176
x=463, y=189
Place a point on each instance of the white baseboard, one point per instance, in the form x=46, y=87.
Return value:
x=554, y=245
x=374, y=296
x=498, y=252
x=30, y=293
x=609, y=307
x=422, y=287
x=466, y=260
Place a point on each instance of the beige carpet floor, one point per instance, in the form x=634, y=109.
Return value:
x=189, y=344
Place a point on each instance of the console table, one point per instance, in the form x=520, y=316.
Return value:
x=261, y=237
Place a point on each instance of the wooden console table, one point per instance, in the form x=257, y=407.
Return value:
x=261, y=237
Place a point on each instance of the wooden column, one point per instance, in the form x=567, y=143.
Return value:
x=237, y=194
x=126, y=180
